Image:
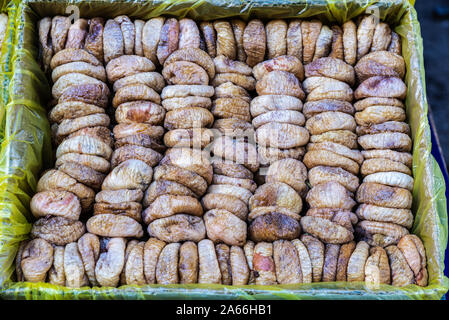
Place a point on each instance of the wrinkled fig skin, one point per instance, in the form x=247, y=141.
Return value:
x=36, y=260
x=343, y=260
x=414, y=252
x=357, y=261
x=179, y=227
x=223, y=257
x=325, y=230
x=263, y=264
x=89, y=249
x=287, y=263
x=330, y=262
x=401, y=274
x=274, y=226
x=209, y=269
x=58, y=230
x=73, y=267
x=151, y=252
x=56, y=274
x=316, y=252
x=111, y=262
x=223, y=226
x=377, y=268
x=188, y=263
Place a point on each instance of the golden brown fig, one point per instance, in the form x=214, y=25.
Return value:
x=58, y=180
x=294, y=39
x=316, y=252
x=151, y=252
x=350, y=42
x=270, y=155
x=380, y=63
x=188, y=263
x=276, y=194
x=365, y=34
x=111, y=225
x=247, y=82
x=209, y=270
x=208, y=31
x=329, y=121
x=89, y=249
x=94, y=38
x=377, y=268
x=185, y=73
x=189, y=34
x=341, y=137
x=338, y=149
x=324, y=174
x=287, y=263
x=225, y=65
x=230, y=90
x=377, y=165
x=153, y=80
x=315, y=158
x=343, y=260
x=289, y=171
x=384, y=196
x=72, y=110
x=263, y=264
x=388, y=126
x=323, y=43
x=130, y=174
x=280, y=83
x=231, y=108
x=381, y=37
x=262, y=104
x=380, y=233
x=223, y=258
x=319, y=88
x=181, y=91
x=325, y=230
x=401, y=274
x=276, y=38
x=73, y=79
x=330, y=262
x=310, y=33
x=337, y=50
x=341, y=217
x=281, y=63
x=185, y=177
x=254, y=42
x=55, y=203
x=193, y=55
x=167, y=265
x=113, y=42
x=377, y=101
x=94, y=94
x=135, y=92
x=128, y=65
x=179, y=227
x=225, y=39
x=165, y=187
x=413, y=250
x=223, y=226
x=69, y=126
x=403, y=217
x=356, y=264
x=56, y=274
x=248, y=249
x=386, y=140
x=304, y=259
x=147, y=155
x=226, y=202
x=73, y=267
x=134, y=268
x=274, y=226
x=330, y=195
x=128, y=129
x=111, y=262
x=129, y=209
x=129, y=33
x=36, y=260
x=187, y=118
x=169, y=38
x=58, y=230
x=88, y=69
x=151, y=34
x=239, y=267
x=331, y=68
x=381, y=86
x=281, y=135
x=313, y=108
x=83, y=174
x=76, y=34
x=168, y=205
x=238, y=27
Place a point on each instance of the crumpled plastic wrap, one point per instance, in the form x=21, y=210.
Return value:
x=26, y=150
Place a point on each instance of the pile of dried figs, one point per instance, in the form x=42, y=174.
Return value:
x=251, y=153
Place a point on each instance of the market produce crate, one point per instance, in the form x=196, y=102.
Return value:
x=26, y=149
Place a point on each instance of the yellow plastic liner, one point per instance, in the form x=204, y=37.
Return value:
x=25, y=145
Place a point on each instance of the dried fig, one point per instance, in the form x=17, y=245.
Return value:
x=55, y=203
x=169, y=205
x=209, y=270
x=377, y=268
x=294, y=39
x=56, y=274
x=169, y=39
x=401, y=274
x=130, y=174
x=153, y=80
x=386, y=140
x=223, y=226
x=185, y=177
x=189, y=35
x=350, y=42
x=179, y=227
x=254, y=42
x=310, y=33
x=151, y=34
x=281, y=135
x=312, y=108
x=330, y=195
x=343, y=260
x=325, y=230
x=60, y=26
x=356, y=264
x=263, y=264
x=276, y=38
x=134, y=267
x=58, y=230
x=111, y=225
x=330, y=262
x=381, y=37
x=316, y=253
x=151, y=252
x=402, y=217
x=36, y=260
x=274, y=226
x=262, y=104
x=413, y=250
x=384, y=196
x=89, y=249
x=365, y=34
x=127, y=65
x=113, y=42
x=147, y=155
x=73, y=267
x=208, y=32
x=193, y=55
x=188, y=263
x=331, y=68
x=111, y=263
x=323, y=43
x=324, y=174
x=287, y=263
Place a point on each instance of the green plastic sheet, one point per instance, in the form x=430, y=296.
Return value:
x=26, y=150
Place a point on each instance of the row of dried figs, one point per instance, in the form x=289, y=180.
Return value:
x=215, y=174
x=117, y=261
x=250, y=42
